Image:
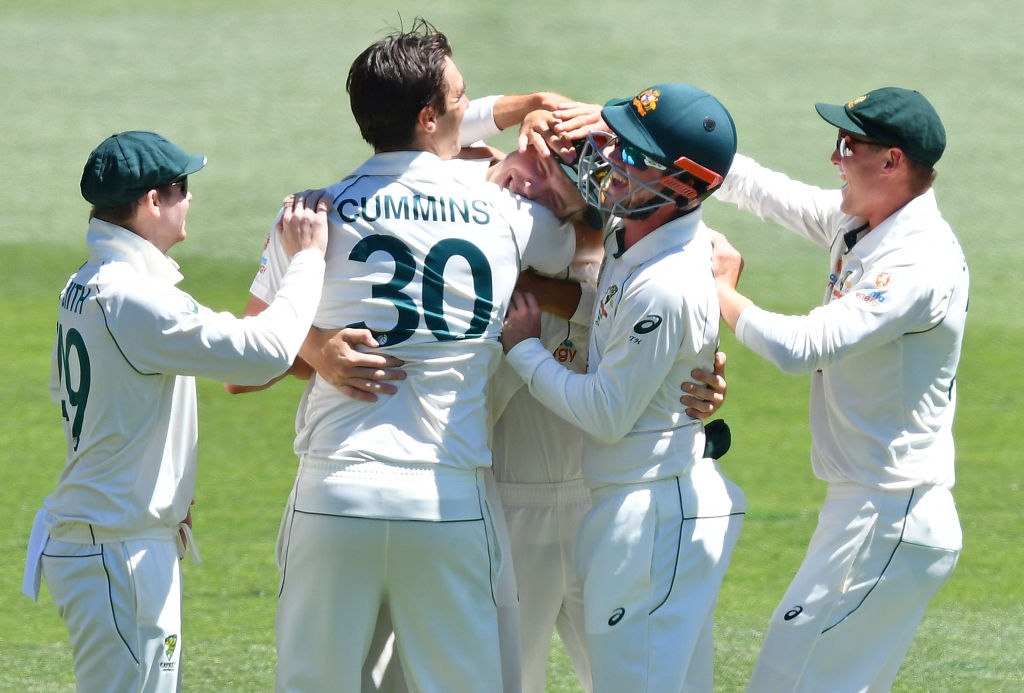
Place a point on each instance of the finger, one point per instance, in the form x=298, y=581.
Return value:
x=523, y=142
x=370, y=386
x=720, y=358
x=713, y=380
x=697, y=414
x=318, y=200
x=373, y=375
x=357, y=394
x=537, y=142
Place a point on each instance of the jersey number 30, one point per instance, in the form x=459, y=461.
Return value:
x=433, y=287
x=77, y=394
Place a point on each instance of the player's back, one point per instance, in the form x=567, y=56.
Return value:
x=426, y=258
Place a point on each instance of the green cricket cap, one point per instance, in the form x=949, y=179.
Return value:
x=127, y=165
x=669, y=121
x=898, y=117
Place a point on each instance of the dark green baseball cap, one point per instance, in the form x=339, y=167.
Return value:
x=127, y=165
x=898, y=117
x=670, y=121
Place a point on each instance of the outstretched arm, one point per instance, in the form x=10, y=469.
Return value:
x=728, y=265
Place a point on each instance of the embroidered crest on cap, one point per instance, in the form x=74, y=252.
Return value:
x=646, y=101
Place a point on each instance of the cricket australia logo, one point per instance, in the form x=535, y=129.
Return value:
x=170, y=643
x=608, y=302
x=646, y=101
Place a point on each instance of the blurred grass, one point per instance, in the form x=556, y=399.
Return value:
x=258, y=86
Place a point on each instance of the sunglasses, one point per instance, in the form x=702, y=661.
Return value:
x=638, y=160
x=179, y=182
x=845, y=142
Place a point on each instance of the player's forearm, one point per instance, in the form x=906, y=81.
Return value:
x=559, y=297
x=510, y=109
x=732, y=304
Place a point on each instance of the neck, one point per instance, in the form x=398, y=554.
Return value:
x=887, y=208
x=636, y=229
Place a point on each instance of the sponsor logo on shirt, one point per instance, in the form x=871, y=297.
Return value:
x=649, y=324
x=883, y=279
x=839, y=285
x=565, y=352
x=873, y=298
x=793, y=613
x=645, y=326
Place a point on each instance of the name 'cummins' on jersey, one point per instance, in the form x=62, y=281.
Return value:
x=430, y=273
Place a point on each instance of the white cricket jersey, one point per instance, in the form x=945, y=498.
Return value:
x=426, y=254
x=128, y=347
x=531, y=446
x=883, y=349
x=655, y=321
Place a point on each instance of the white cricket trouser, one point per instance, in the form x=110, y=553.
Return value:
x=121, y=603
x=543, y=521
x=382, y=670
x=436, y=577
x=652, y=556
x=847, y=620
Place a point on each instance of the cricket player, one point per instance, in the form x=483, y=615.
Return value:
x=536, y=457
x=882, y=352
x=389, y=503
x=655, y=544
x=128, y=347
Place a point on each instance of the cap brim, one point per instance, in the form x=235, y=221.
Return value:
x=838, y=116
x=195, y=162
x=621, y=117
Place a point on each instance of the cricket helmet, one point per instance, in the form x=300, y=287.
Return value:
x=678, y=129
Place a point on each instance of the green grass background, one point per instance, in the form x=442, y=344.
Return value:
x=258, y=86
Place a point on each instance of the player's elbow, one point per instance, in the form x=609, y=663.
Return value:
x=608, y=433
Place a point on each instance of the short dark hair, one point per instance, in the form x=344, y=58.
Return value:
x=121, y=215
x=392, y=80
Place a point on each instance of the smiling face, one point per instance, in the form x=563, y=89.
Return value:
x=539, y=179
x=859, y=164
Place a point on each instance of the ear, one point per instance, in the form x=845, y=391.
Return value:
x=150, y=203
x=427, y=120
x=894, y=160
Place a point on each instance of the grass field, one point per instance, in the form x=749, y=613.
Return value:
x=258, y=86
